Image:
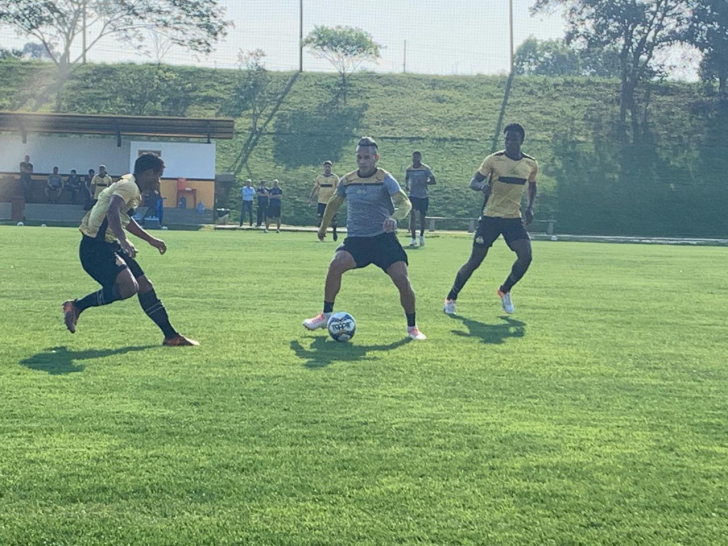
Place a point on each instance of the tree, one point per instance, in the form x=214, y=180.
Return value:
x=709, y=33
x=58, y=24
x=346, y=48
x=546, y=58
x=252, y=90
x=638, y=29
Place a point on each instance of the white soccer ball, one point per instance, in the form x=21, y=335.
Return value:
x=21, y=224
x=43, y=225
x=341, y=326
x=554, y=238
x=165, y=227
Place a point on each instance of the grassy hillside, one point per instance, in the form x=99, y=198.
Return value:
x=667, y=182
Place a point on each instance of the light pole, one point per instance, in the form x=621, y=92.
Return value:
x=510, y=15
x=300, y=36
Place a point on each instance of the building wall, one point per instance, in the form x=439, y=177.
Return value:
x=205, y=192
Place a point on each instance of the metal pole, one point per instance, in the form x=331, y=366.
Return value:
x=404, y=64
x=511, y=28
x=83, y=41
x=300, y=36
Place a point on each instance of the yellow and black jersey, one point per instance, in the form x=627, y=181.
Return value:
x=96, y=225
x=507, y=179
x=326, y=186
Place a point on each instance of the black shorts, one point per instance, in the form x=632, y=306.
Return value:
x=98, y=259
x=490, y=228
x=274, y=212
x=381, y=250
x=420, y=203
x=320, y=212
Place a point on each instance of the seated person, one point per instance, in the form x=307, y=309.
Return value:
x=88, y=188
x=74, y=185
x=54, y=186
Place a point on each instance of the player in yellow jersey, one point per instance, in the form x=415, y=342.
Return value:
x=109, y=257
x=502, y=178
x=324, y=187
x=371, y=194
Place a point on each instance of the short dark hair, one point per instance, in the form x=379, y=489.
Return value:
x=367, y=141
x=148, y=161
x=417, y=152
x=515, y=127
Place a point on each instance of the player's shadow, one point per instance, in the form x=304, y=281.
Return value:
x=492, y=334
x=324, y=351
x=60, y=360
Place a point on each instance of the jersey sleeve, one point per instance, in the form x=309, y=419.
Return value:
x=391, y=184
x=341, y=188
x=126, y=191
x=534, y=173
x=486, y=169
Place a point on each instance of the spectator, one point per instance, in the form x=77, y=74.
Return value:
x=248, y=192
x=54, y=187
x=101, y=181
x=26, y=176
x=74, y=185
x=88, y=202
x=262, y=192
x=274, y=208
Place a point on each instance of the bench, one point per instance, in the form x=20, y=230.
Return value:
x=432, y=220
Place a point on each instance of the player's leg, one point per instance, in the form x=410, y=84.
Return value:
x=342, y=262
x=520, y=243
x=278, y=223
x=423, y=219
x=108, y=269
x=413, y=223
x=156, y=311
x=334, y=226
x=399, y=275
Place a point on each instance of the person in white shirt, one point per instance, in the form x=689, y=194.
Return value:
x=248, y=192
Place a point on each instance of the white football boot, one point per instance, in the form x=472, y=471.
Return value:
x=319, y=321
x=449, y=308
x=506, y=301
x=414, y=333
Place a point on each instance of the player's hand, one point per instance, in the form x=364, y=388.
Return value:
x=529, y=215
x=159, y=245
x=390, y=225
x=128, y=247
x=321, y=234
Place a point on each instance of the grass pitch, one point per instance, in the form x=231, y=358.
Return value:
x=594, y=415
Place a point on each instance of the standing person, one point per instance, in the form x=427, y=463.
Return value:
x=88, y=188
x=371, y=194
x=101, y=181
x=502, y=178
x=275, y=195
x=109, y=257
x=247, y=192
x=54, y=186
x=262, y=193
x=324, y=187
x=74, y=185
x=26, y=176
x=416, y=180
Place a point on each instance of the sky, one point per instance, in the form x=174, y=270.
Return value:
x=463, y=37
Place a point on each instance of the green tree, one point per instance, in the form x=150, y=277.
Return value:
x=194, y=24
x=709, y=33
x=346, y=48
x=638, y=29
x=253, y=92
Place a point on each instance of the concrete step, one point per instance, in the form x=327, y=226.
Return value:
x=43, y=212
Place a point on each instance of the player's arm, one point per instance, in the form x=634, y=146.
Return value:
x=431, y=178
x=531, y=200
x=402, y=204
x=332, y=208
x=314, y=191
x=116, y=205
x=135, y=229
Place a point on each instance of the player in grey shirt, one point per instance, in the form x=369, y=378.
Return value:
x=371, y=194
x=416, y=180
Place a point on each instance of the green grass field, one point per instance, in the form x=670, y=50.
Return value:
x=594, y=415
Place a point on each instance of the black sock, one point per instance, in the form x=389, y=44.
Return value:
x=411, y=320
x=328, y=307
x=155, y=310
x=517, y=272
x=105, y=296
x=457, y=286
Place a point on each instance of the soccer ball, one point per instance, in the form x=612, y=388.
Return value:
x=21, y=224
x=43, y=225
x=165, y=227
x=341, y=326
x=554, y=238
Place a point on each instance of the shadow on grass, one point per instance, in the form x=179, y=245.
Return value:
x=492, y=334
x=324, y=351
x=59, y=360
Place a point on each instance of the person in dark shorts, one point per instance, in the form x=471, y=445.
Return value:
x=417, y=177
x=323, y=189
x=74, y=185
x=275, y=194
x=502, y=178
x=26, y=176
x=109, y=257
x=263, y=200
x=371, y=194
